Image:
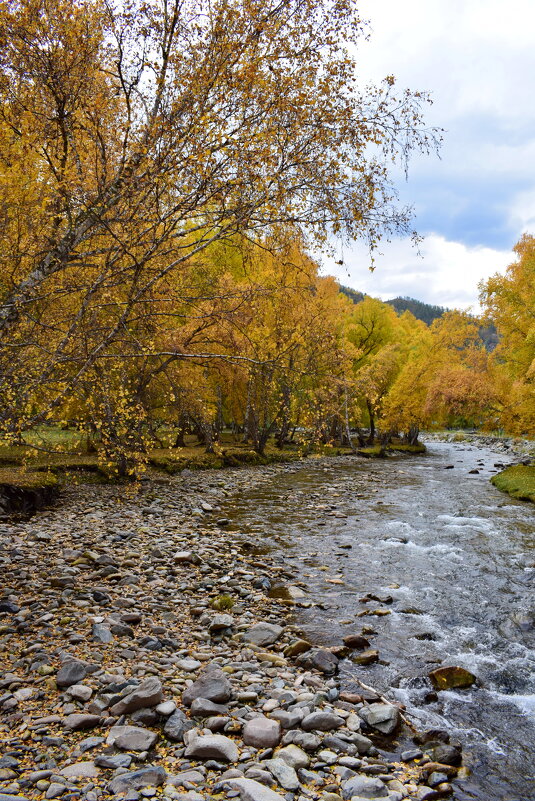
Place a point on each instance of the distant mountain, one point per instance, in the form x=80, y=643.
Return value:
x=422, y=311
x=352, y=294
x=425, y=312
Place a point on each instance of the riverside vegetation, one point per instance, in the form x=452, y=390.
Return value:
x=163, y=186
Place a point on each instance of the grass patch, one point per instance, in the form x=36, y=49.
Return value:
x=376, y=452
x=27, y=479
x=52, y=455
x=401, y=448
x=372, y=452
x=222, y=602
x=518, y=481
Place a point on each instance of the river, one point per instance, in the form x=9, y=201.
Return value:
x=452, y=561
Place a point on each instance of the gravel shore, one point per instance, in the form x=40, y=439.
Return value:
x=141, y=656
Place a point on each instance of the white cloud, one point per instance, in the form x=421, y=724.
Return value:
x=522, y=213
x=477, y=57
x=446, y=274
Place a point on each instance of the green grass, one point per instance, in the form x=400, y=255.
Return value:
x=16, y=477
x=401, y=448
x=518, y=481
x=375, y=451
x=64, y=455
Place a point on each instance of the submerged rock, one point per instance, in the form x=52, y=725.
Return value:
x=447, y=678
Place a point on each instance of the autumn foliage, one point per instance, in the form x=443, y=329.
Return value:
x=164, y=169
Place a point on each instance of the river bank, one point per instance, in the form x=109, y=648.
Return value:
x=517, y=479
x=139, y=649
x=517, y=448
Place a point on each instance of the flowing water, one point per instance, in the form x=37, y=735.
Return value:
x=457, y=559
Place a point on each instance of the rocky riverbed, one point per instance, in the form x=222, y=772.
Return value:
x=141, y=656
x=516, y=448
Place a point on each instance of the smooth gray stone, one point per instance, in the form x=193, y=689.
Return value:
x=383, y=717
x=262, y=732
x=365, y=786
x=283, y=773
x=319, y=658
x=213, y=746
x=263, y=634
x=148, y=694
x=203, y=708
x=177, y=725
x=294, y=756
x=101, y=633
x=186, y=777
x=71, y=672
x=304, y=739
x=114, y=761
x=85, y=770
x=131, y=738
x=150, y=776
x=322, y=721
x=251, y=790
x=213, y=685
x=81, y=722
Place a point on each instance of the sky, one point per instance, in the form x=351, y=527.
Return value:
x=477, y=58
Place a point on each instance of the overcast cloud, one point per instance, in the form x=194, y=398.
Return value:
x=477, y=57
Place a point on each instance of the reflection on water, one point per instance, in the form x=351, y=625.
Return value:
x=455, y=555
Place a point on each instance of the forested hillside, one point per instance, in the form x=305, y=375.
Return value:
x=422, y=311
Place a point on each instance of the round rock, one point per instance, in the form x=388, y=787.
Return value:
x=262, y=732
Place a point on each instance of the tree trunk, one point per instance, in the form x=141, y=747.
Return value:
x=247, y=416
x=348, y=440
x=412, y=435
x=371, y=439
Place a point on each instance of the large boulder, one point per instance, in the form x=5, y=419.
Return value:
x=148, y=694
x=213, y=746
x=212, y=685
x=263, y=634
x=262, y=732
